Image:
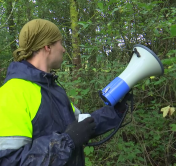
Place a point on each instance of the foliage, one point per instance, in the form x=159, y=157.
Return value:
x=107, y=32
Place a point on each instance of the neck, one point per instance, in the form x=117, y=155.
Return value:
x=40, y=62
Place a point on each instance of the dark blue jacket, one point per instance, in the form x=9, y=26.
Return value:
x=49, y=144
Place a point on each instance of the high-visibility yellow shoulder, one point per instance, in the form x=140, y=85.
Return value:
x=19, y=103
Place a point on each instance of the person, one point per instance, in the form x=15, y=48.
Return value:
x=38, y=125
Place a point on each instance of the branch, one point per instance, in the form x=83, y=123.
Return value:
x=9, y=15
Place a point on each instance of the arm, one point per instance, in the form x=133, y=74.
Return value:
x=19, y=102
x=106, y=118
x=53, y=150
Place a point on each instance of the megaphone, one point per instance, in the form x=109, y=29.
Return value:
x=144, y=63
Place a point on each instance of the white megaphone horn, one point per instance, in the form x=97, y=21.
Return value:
x=144, y=63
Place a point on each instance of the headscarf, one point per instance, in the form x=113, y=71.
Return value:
x=34, y=35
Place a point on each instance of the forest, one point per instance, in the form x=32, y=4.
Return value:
x=99, y=36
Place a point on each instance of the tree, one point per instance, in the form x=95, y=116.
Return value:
x=76, y=59
x=11, y=24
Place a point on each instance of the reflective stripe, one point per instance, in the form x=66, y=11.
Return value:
x=76, y=112
x=13, y=142
x=73, y=107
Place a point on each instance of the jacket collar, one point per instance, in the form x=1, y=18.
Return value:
x=25, y=70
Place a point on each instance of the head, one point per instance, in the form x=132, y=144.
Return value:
x=42, y=37
x=54, y=54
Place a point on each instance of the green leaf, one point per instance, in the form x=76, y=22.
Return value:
x=173, y=30
x=173, y=127
x=147, y=82
x=84, y=92
x=88, y=150
x=156, y=31
x=88, y=162
x=84, y=24
x=72, y=92
x=161, y=80
x=140, y=159
x=171, y=52
x=169, y=61
x=100, y=5
x=114, y=10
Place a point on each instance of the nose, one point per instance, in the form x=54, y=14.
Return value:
x=63, y=49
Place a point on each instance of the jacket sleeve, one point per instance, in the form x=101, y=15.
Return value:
x=54, y=150
x=17, y=148
x=106, y=118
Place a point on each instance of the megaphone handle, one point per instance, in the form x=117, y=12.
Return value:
x=136, y=52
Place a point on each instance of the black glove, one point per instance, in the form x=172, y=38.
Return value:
x=81, y=132
x=121, y=107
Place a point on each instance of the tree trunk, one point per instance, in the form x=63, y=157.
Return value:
x=76, y=60
x=11, y=25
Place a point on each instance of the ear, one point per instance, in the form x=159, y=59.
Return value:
x=47, y=48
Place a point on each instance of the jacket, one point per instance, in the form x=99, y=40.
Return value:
x=34, y=113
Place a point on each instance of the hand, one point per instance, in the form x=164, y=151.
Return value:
x=81, y=132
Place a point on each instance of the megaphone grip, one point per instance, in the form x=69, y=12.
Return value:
x=114, y=91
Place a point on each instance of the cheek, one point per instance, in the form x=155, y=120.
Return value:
x=61, y=53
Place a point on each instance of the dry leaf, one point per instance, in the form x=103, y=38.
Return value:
x=165, y=111
x=172, y=110
x=168, y=111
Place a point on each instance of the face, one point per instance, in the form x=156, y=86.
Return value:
x=56, y=55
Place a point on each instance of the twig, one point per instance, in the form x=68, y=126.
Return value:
x=9, y=15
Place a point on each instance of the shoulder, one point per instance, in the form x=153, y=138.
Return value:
x=19, y=86
x=21, y=94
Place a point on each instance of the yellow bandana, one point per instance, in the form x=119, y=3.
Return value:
x=34, y=35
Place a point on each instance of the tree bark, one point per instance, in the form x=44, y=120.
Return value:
x=76, y=60
x=11, y=25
